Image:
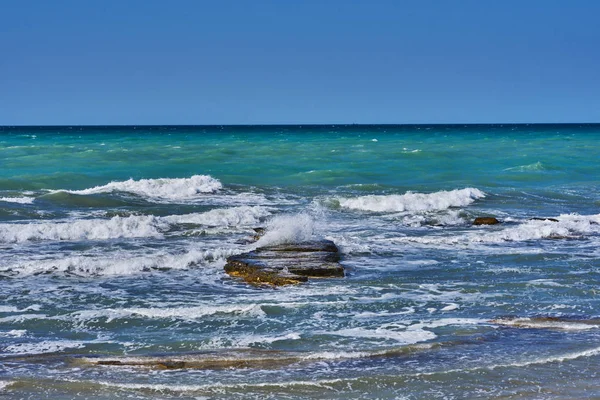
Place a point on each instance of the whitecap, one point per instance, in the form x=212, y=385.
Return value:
x=14, y=333
x=118, y=264
x=538, y=166
x=19, y=200
x=134, y=226
x=43, y=347
x=235, y=216
x=92, y=229
x=162, y=188
x=413, y=201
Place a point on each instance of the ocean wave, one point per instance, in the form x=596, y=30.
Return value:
x=235, y=216
x=134, y=226
x=19, y=200
x=413, y=201
x=93, y=229
x=538, y=166
x=161, y=189
x=116, y=265
x=566, y=226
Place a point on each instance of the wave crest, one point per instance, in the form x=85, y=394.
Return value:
x=161, y=189
x=413, y=201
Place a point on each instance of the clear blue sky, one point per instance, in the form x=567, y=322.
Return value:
x=253, y=62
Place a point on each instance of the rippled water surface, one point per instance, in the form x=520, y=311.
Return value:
x=113, y=242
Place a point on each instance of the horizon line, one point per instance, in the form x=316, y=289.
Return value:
x=295, y=124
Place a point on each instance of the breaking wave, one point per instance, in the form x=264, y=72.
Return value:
x=161, y=189
x=134, y=226
x=413, y=201
x=288, y=229
x=93, y=229
x=566, y=226
x=19, y=200
x=117, y=265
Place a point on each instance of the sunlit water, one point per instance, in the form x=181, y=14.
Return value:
x=113, y=242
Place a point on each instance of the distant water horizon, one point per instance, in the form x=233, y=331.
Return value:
x=275, y=125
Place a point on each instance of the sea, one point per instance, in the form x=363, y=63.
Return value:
x=113, y=242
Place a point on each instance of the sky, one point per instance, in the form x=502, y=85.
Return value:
x=148, y=62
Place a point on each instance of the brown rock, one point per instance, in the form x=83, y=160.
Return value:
x=287, y=264
x=485, y=221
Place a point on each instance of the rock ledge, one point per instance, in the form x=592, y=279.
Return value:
x=287, y=264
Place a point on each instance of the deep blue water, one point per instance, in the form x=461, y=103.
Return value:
x=113, y=241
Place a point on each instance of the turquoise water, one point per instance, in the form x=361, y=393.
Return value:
x=113, y=241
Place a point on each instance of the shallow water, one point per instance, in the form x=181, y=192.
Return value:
x=113, y=241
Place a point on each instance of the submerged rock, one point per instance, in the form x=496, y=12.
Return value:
x=287, y=264
x=543, y=219
x=551, y=323
x=258, y=233
x=485, y=221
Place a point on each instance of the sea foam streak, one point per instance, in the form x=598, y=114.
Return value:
x=161, y=189
x=413, y=201
x=174, y=313
x=47, y=346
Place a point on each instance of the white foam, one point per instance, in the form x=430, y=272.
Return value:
x=118, y=264
x=538, y=166
x=438, y=323
x=22, y=318
x=134, y=226
x=251, y=340
x=288, y=229
x=450, y=307
x=47, y=346
x=520, y=364
x=175, y=313
x=162, y=188
x=218, y=387
x=15, y=333
x=20, y=200
x=396, y=332
x=568, y=226
x=33, y=307
x=5, y=384
x=91, y=229
x=413, y=201
x=235, y=216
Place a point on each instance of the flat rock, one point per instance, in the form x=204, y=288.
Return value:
x=485, y=221
x=287, y=264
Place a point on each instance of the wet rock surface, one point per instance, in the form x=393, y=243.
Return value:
x=287, y=264
x=485, y=221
